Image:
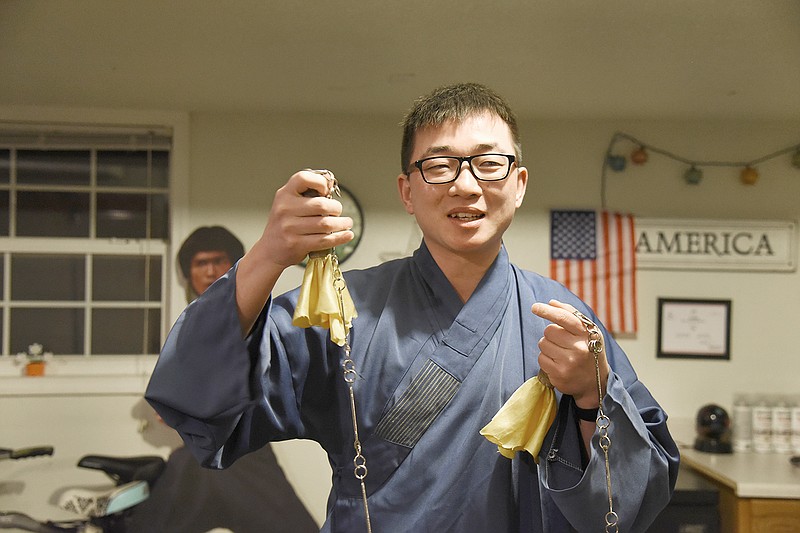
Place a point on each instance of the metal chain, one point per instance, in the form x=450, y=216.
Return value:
x=595, y=345
x=350, y=374
x=603, y=423
x=348, y=366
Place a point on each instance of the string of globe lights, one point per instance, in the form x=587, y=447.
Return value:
x=694, y=173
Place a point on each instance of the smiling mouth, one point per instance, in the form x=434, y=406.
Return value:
x=467, y=217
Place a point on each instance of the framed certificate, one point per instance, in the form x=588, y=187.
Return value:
x=699, y=329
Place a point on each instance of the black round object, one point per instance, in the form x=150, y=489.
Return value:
x=713, y=425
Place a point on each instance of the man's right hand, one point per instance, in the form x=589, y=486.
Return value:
x=302, y=220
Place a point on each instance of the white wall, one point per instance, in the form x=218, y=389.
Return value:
x=236, y=161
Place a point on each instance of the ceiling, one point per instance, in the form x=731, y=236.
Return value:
x=633, y=59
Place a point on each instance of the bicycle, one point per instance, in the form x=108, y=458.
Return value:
x=103, y=511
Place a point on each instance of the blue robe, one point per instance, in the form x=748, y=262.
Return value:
x=432, y=372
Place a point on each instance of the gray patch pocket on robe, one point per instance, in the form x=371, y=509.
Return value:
x=430, y=391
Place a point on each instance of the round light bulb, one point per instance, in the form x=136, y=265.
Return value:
x=616, y=162
x=749, y=176
x=693, y=176
x=639, y=156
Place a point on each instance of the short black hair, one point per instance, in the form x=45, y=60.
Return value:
x=455, y=103
x=206, y=239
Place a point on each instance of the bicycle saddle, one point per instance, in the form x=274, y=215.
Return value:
x=126, y=469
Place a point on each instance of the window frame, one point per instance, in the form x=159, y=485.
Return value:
x=115, y=374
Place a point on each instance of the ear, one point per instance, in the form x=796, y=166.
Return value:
x=404, y=188
x=522, y=185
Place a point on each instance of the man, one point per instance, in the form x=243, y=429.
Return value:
x=205, y=255
x=254, y=495
x=441, y=341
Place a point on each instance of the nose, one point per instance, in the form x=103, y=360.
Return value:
x=465, y=182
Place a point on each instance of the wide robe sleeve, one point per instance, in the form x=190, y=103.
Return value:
x=643, y=456
x=643, y=461
x=227, y=394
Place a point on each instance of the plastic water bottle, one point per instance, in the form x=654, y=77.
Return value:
x=762, y=426
x=742, y=424
x=796, y=427
x=782, y=426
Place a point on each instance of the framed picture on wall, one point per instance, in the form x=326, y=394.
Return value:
x=695, y=329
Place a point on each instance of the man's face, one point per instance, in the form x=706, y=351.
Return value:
x=206, y=268
x=465, y=217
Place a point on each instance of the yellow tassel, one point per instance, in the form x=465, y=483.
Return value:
x=523, y=422
x=318, y=302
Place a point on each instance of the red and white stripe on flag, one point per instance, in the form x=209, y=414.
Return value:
x=605, y=279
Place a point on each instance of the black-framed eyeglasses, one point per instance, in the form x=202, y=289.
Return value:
x=446, y=169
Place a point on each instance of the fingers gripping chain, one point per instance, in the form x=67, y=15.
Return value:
x=333, y=184
x=595, y=341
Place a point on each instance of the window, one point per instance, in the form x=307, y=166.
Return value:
x=84, y=235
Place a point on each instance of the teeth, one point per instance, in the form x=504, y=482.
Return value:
x=465, y=216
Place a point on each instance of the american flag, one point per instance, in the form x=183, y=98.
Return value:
x=593, y=254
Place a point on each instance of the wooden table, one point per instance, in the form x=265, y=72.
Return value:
x=759, y=492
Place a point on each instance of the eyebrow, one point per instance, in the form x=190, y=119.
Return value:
x=434, y=150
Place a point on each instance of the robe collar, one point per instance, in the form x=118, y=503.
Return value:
x=466, y=328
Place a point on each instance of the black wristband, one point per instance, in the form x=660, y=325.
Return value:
x=590, y=415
